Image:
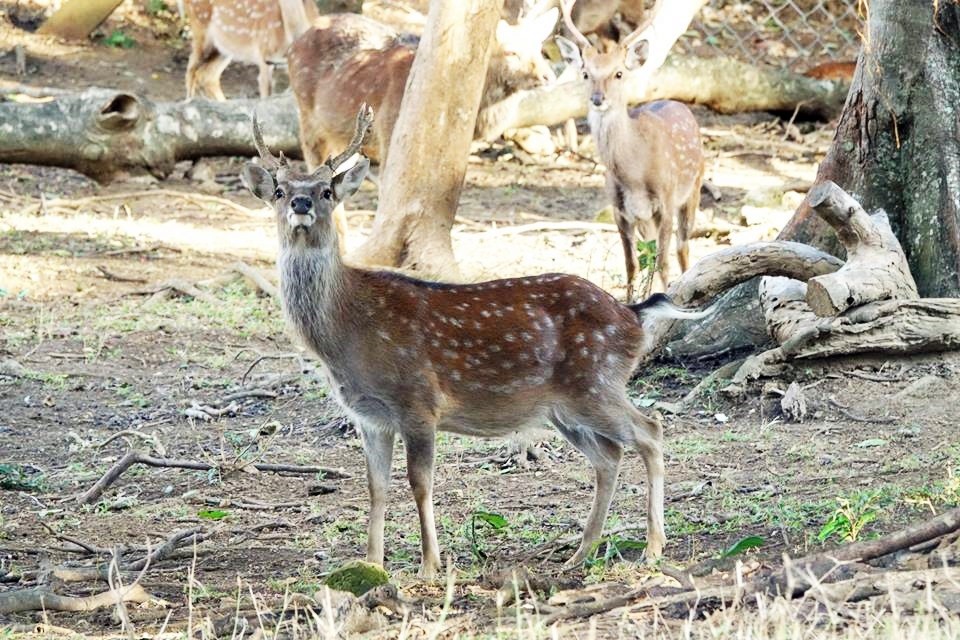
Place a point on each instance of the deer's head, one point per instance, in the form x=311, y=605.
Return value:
x=304, y=202
x=606, y=71
x=517, y=61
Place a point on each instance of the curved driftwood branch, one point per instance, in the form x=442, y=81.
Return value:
x=41, y=598
x=876, y=267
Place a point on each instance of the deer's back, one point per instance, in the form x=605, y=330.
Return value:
x=344, y=61
x=245, y=30
x=485, y=359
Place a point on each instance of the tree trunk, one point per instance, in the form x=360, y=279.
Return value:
x=898, y=141
x=77, y=19
x=102, y=133
x=421, y=182
x=723, y=84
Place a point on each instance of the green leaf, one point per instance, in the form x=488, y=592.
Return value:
x=495, y=520
x=738, y=547
x=212, y=514
x=871, y=442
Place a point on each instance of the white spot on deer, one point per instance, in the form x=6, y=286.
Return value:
x=454, y=343
x=455, y=375
x=578, y=338
x=485, y=313
x=506, y=364
x=382, y=301
x=509, y=337
x=435, y=343
x=450, y=355
x=386, y=336
x=494, y=348
x=598, y=336
x=584, y=352
x=572, y=312
x=526, y=336
x=610, y=329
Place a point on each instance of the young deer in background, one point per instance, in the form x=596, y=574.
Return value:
x=406, y=357
x=653, y=153
x=348, y=60
x=253, y=31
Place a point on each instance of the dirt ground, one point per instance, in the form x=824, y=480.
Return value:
x=94, y=362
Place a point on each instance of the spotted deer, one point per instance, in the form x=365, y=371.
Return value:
x=253, y=31
x=653, y=153
x=407, y=357
x=349, y=59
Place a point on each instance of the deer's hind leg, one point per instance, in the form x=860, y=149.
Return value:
x=604, y=455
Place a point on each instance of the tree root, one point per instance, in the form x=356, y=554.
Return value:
x=133, y=457
x=42, y=599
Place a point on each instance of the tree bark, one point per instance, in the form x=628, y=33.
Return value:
x=101, y=133
x=421, y=182
x=723, y=84
x=897, y=145
x=77, y=19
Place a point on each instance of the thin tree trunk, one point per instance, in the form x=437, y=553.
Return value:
x=421, y=182
x=77, y=19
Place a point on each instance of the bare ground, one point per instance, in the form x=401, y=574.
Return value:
x=101, y=357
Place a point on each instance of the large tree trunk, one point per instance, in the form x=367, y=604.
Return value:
x=897, y=148
x=102, y=133
x=421, y=182
x=898, y=141
x=77, y=19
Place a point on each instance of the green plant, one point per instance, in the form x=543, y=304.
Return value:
x=16, y=478
x=492, y=521
x=119, y=40
x=742, y=545
x=613, y=548
x=156, y=7
x=851, y=516
x=647, y=254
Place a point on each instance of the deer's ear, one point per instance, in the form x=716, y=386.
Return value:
x=569, y=51
x=259, y=181
x=345, y=184
x=540, y=27
x=637, y=54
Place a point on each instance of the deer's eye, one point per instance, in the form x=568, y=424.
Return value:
x=278, y=194
x=586, y=76
x=619, y=74
x=326, y=194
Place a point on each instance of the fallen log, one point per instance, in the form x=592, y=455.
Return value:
x=723, y=84
x=42, y=598
x=102, y=133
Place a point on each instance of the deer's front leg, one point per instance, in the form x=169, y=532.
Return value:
x=419, y=442
x=378, y=449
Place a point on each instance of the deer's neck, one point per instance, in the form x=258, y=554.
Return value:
x=609, y=129
x=314, y=289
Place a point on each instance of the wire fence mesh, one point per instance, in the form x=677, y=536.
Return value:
x=793, y=34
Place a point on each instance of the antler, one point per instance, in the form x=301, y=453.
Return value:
x=364, y=120
x=268, y=159
x=565, y=7
x=636, y=33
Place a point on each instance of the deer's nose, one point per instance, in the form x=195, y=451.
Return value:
x=596, y=98
x=301, y=205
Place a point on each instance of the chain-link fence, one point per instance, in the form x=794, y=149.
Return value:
x=795, y=34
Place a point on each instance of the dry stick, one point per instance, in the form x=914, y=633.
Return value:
x=588, y=609
x=133, y=457
x=109, y=275
x=257, y=278
x=196, y=534
x=855, y=417
x=89, y=548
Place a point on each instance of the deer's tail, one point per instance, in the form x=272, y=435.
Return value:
x=661, y=306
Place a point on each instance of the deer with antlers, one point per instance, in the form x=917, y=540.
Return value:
x=407, y=357
x=653, y=153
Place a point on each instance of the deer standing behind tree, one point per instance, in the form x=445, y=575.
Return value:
x=409, y=357
x=252, y=31
x=348, y=60
x=653, y=153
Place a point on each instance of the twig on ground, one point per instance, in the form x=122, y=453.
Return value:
x=86, y=546
x=583, y=610
x=133, y=457
x=856, y=417
x=113, y=277
x=258, y=279
x=151, y=439
x=208, y=413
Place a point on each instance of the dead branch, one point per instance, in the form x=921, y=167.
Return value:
x=113, y=277
x=257, y=278
x=176, y=539
x=584, y=610
x=40, y=599
x=133, y=457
